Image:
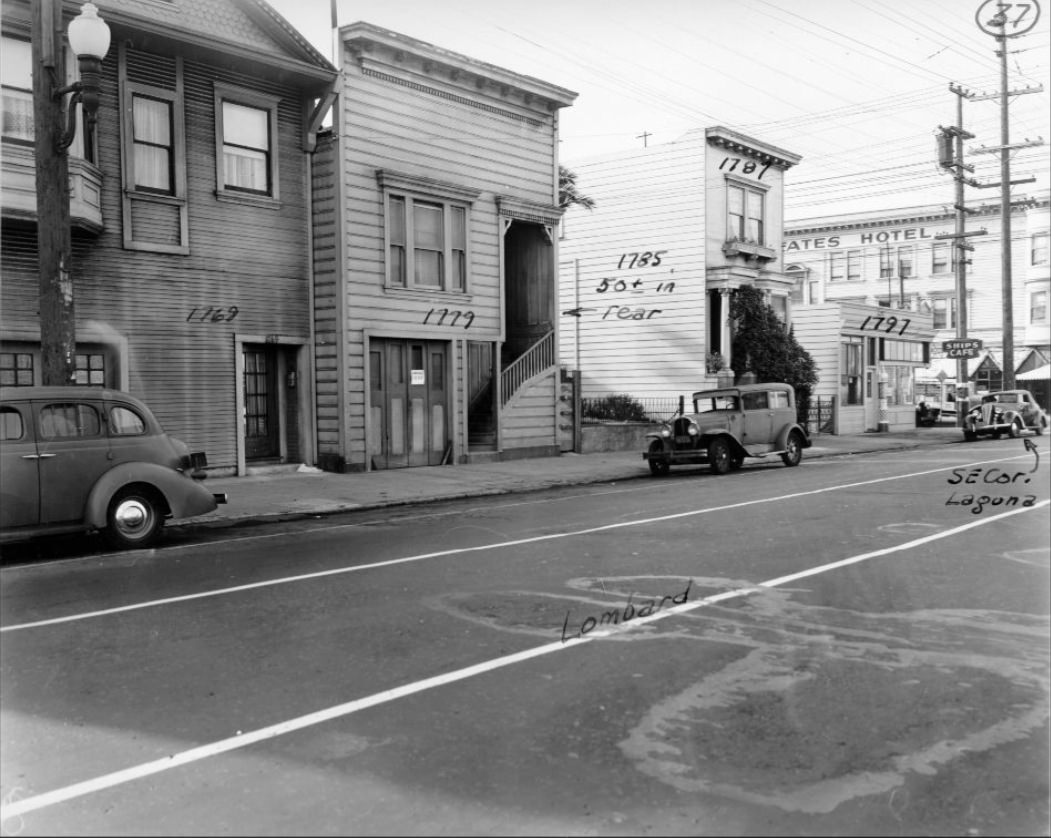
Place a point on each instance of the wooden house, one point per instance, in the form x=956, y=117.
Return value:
x=190, y=222
x=435, y=228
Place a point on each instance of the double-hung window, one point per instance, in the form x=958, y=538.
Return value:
x=1038, y=307
x=1040, y=249
x=427, y=240
x=745, y=214
x=853, y=265
x=886, y=266
x=940, y=258
x=943, y=312
x=16, y=70
x=905, y=257
x=836, y=265
x=245, y=144
x=153, y=144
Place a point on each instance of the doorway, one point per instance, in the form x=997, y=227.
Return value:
x=262, y=440
x=408, y=403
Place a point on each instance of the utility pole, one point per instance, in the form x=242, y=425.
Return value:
x=950, y=156
x=57, y=319
x=998, y=27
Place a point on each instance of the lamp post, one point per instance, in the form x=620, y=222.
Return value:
x=89, y=37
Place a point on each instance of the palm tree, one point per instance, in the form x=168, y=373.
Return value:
x=567, y=191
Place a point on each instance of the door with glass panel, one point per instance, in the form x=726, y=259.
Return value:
x=260, y=394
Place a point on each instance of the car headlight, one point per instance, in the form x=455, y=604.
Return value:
x=665, y=431
x=693, y=430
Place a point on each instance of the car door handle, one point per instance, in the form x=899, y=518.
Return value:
x=37, y=456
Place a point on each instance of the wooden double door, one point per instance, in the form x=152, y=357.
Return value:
x=408, y=403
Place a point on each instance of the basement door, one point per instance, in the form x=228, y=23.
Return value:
x=408, y=403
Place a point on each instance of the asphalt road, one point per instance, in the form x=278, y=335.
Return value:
x=856, y=646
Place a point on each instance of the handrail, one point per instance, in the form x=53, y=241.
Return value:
x=539, y=357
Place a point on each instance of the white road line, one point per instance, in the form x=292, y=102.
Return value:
x=146, y=769
x=285, y=580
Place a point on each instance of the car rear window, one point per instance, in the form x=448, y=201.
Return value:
x=123, y=421
x=11, y=425
x=69, y=421
x=778, y=398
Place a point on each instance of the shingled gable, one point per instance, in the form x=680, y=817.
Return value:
x=232, y=33
x=409, y=61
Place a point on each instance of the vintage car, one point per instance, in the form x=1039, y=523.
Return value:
x=729, y=424
x=85, y=458
x=1004, y=412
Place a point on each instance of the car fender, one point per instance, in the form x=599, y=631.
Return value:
x=183, y=496
x=782, y=438
x=735, y=446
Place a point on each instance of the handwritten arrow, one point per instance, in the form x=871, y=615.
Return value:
x=1031, y=446
x=575, y=312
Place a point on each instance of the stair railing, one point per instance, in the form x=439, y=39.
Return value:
x=539, y=357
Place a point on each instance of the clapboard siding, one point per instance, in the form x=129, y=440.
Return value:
x=408, y=121
x=818, y=329
x=239, y=255
x=641, y=340
x=530, y=420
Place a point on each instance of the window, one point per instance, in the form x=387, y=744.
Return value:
x=16, y=70
x=745, y=214
x=905, y=256
x=943, y=311
x=779, y=304
x=836, y=267
x=754, y=401
x=813, y=292
x=90, y=369
x=899, y=389
x=852, y=369
x=886, y=268
x=65, y=421
x=153, y=146
x=1038, y=307
x=11, y=425
x=245, y=143
x=901, y=350
x=1040, y=248
x=853, y=265
x=125, y=422
x=940, y=258
x=428, y=244
x=778, y=399
x=16, y=369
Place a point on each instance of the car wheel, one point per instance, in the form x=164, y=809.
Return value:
x=970, y=436
x=134, y=518
x=658, y=467
x=793, y=449
x=1014, y=431
x=1039, y=428
x=719, y=457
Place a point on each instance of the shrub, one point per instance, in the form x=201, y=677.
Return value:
x=617, y=407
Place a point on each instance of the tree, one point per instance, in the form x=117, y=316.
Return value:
x=764, y=346
x=568, y=194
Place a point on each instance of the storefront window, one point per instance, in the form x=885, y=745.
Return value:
x=899, y=384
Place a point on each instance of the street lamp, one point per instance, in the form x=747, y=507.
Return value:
x=89, y=37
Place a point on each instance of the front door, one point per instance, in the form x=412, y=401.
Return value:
x=408, y=403
x=261, y=416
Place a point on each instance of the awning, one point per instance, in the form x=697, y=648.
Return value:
x=948, y=366
x=1039, y=374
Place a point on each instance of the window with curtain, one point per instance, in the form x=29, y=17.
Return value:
x=16, y=70
x=1038, y=307
x=246, y=148
x=153, y=145
x=943, y=312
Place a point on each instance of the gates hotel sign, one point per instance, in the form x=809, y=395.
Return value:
x=859, y=239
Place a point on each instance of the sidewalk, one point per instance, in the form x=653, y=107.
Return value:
x=312, y=492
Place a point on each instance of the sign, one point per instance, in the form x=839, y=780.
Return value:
x=1008, y=20
x=417, y=377
x=941, y=376
x=962, y=347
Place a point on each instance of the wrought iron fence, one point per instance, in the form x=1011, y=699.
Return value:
x=625, y=408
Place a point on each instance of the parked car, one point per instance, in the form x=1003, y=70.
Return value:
x=729, y=425
x=86, y=458
x=1004, y=411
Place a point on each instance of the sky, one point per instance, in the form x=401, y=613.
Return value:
x=858, y=88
